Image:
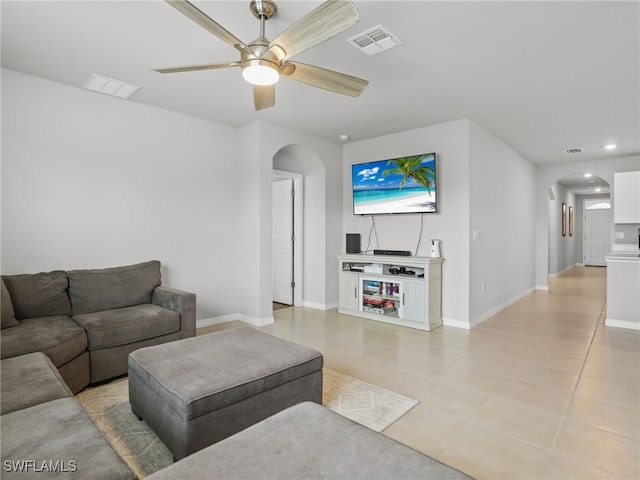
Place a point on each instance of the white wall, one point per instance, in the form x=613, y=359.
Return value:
x=94, y=181
x=450, y=141
x=299, y=159
x=483, y=185
x=547, y=176
x=562, y=249
x=259, y=143
x=502, y=207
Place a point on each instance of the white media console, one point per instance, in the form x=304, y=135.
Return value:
x=404, y=291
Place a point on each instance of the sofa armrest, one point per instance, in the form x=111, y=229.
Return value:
x=179, y=301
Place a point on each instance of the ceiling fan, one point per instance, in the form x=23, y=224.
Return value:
x=263, y=61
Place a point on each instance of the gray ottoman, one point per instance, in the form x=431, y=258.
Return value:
x=197, y=391
x=307, y=441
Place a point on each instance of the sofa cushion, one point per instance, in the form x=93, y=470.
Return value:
x=28, y=380
x=38, y=294
x=8, y=316
x=122, y=326
x=308, y=441
x=59, y=430
x=108, y=288
x=58, y=337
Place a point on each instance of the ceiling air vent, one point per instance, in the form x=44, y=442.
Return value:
x=375, y=40
x=109, y=86
x=574, y=150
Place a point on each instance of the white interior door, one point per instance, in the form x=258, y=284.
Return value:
x=282, y=237
x=596, y=236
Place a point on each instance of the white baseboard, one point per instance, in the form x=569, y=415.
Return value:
x=544, y=288
x=468, y=325
x=320, y=306
x=631, y=325
x=449, y=322
x=554, y=275
x=256, y=322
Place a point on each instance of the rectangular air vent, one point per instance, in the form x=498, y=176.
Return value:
x=109, y=86
x=375, y=40
x=574, y=150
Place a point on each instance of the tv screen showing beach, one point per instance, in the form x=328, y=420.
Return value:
x=398, y=185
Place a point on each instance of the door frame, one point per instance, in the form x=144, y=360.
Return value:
x=297, y=232
x=584, y=224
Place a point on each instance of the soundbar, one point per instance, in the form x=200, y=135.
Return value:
x=397, y=253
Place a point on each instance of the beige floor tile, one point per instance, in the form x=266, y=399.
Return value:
x=550, y=345
x=518, y=421
x=616, y=373
x=607, y=416
x=556, y=361
x=567, y=338
x=485, y=454
x=547, y=399
x=502, y=350
x=425, y=429
x=490, y=363
x=546, y=377
x=563, y=468
x=601, y=353
x=473, y=379
x=450, y=398
x=612, y=392
x=599, y=448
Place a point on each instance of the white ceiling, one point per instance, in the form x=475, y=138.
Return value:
x=544, y=76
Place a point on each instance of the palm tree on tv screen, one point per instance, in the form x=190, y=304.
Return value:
x=409, y=167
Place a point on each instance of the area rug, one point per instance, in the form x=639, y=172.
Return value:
x=367, y=404
x=109, y=407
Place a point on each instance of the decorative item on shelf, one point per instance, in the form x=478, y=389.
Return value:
x=435, y=248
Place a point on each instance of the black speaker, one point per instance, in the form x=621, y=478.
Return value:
x=353, y=243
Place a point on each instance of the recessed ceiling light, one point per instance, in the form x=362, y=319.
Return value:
x=344, y=138
x=611, y=146
x=109, y=86
x=587, y=175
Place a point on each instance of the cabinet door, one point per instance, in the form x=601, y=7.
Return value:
x=349, y=291
x=626, y=197
x=414, y=300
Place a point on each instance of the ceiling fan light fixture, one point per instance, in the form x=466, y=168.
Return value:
x=260, y=72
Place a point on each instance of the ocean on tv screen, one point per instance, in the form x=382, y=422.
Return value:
x=400, y=185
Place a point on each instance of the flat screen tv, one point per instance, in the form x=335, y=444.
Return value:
x=397, y=185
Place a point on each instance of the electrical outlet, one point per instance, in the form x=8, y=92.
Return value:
x=619, y=235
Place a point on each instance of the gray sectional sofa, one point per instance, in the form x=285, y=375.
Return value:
x=88, y=321
x=45, y=432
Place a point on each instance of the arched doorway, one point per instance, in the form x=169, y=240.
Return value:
x=304, y=167
x=575, y=239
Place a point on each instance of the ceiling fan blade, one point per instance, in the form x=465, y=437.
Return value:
x=324, y=22
x=206, y=22
x=264, y=96
x=323, y=78
x=193, y=68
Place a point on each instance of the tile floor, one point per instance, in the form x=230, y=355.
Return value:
x=541, y=390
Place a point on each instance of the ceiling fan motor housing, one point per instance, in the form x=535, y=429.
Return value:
x=263, y=8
